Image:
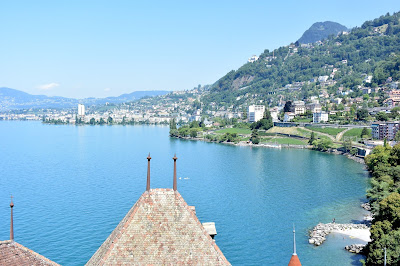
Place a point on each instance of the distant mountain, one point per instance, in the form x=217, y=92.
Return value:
x=14, y=99
x=321, y=30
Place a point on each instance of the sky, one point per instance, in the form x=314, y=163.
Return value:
x=101, y=48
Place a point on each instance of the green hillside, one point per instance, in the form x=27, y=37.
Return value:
x=370, y=50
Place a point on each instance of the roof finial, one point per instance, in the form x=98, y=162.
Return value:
x=11, y=221
x=148, y=173
x=175, y=185
x=294, y=241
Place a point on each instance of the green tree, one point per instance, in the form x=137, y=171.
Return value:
x=254, y=136
x=312, y=138
x=288, y=106
x=362, y=114
x=364, y=132
x=92, y=121
x=397, y=136
x=347, y=145
x=102, y=122
x=193, y=132
x=265, y=123
x=382, y=116
x=109, y=120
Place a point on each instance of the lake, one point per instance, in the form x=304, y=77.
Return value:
x=73, y=184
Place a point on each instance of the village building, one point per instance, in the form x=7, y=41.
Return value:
x=320, y=117
x=255, y=113
x=299, y=107
x=386, y=130
x=288, y=117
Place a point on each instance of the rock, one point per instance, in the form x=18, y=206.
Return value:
x=320, y=231
x=355, y=248
x=366, y=206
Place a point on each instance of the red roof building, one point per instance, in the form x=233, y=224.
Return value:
x=160, y=229
x=12, y=253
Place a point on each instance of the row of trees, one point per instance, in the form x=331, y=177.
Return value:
x=384, y=165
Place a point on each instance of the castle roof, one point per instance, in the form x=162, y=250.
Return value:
x=159, y=229
x=12, y=253
x=294, y=261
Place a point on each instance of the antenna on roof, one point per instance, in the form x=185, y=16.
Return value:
x=175, y=185
x=148, y=173
x=294, y=241
x=11, y=221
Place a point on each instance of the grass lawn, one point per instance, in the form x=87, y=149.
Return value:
x=328, y=130
x=234, y=130
x=287, y=141
x=356, y=132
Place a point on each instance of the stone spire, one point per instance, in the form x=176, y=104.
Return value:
x=148, y=173
x=294, y=241
x=175, y=184
x=12, y=221
x=294, y=260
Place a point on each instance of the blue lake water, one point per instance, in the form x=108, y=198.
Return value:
x=73, y=184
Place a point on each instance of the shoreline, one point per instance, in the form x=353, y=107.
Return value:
x=279, y=146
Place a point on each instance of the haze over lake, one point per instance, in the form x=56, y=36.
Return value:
x=73, y=184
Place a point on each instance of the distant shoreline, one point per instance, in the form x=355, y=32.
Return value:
x=279, y=146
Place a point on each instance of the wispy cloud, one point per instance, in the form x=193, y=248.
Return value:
x=107, y=89
x=48, y=86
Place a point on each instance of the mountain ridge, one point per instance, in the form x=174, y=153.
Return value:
x=16, y=99
x=320, y=31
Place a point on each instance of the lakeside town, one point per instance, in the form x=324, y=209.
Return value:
x=376, y=110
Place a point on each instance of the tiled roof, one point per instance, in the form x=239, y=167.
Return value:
x=294, y=261
x=159, y=229
x=12, y=253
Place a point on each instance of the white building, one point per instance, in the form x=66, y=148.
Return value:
x=252, y=59
x=81, y=110
x=255, y=112
x=299, y=107
x=323, y=78
x=320, y=117
x=288, y=117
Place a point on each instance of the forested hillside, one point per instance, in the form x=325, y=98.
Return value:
x=372, y=49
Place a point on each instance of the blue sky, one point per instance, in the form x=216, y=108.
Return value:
x=105, y=48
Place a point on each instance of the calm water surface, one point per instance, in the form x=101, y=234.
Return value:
x=73, y=184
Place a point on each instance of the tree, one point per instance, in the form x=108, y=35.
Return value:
x=288, y=106
x=382, y=116
x=254, y=137
x=397, y=136
x=109, y=120
x=102, y=122
x=347, y=145
x=193, y=132
x=362, y=114
x=265, y=123
x=92, y=121
x=312, y=138
x=322, y=144
x=395, y=112
x=364, y=132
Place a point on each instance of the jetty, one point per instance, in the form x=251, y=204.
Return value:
x=318, y=234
